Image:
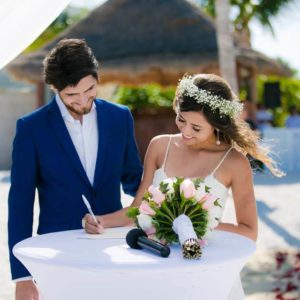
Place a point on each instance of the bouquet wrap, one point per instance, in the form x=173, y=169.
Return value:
x=183, y=226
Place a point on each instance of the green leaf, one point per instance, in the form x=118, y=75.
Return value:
x=197, y=182
x=163, y=187
x=164, y=214
x=216, y=203
x=207, y=189
x=165, y=207
x=147, y=196
x=132, y=212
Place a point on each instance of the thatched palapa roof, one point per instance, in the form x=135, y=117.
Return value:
x=147, y=40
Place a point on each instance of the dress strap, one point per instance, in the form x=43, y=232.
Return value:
x=166, y=154
x=223, y=158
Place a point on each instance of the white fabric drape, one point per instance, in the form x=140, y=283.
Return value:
x=90, y=265
x=22, y=21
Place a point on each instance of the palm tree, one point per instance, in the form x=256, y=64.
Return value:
x=247, y=10
x=67, y=18
x=225, y=44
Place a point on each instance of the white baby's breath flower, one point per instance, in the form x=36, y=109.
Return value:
x=229, y=108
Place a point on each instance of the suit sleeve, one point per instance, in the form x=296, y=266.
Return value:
x=132, y=167
x=21, y=194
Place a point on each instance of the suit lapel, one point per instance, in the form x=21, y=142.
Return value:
x=102, y=138
x=63, y=135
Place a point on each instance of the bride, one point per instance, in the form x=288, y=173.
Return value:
x=212, y=144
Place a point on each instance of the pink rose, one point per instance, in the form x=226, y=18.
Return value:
x=204, y=198
x=187, y=188
x=146, y=209
x=151, y=231
x=203, y=243
x=209, y=201
x=157, y=196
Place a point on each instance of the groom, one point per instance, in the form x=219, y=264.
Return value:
x=74, y=145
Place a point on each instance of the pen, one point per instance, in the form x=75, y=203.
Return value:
x=88, y=206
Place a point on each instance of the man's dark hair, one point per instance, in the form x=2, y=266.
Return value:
x=68, y=62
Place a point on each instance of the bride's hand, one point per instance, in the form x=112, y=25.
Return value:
x=90, y=226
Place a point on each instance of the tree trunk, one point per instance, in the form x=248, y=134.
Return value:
x=226, y=51
x=243, y=37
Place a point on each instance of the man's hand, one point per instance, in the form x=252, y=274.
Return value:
x=26, y=290
x=91, y=226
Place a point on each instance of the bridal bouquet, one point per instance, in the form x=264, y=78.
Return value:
x=179, y=210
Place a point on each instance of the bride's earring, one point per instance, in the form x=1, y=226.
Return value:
x=218, y=142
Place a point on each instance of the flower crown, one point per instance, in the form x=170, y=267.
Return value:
x=187, y=87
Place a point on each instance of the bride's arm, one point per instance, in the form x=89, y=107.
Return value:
x=244, y=199
x=119, y=218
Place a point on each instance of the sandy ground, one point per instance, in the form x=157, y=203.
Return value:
x=278, y=205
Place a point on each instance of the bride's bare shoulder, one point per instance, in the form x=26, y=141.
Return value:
x=237, y=161
x=160, y=140
x=159, y=143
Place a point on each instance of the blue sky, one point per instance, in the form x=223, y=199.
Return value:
x=285, y=44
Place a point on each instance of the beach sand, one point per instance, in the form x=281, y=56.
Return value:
x=278, y=205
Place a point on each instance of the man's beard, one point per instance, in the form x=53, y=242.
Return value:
x=83, y=110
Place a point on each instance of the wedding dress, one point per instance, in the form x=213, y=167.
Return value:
x=217, y=189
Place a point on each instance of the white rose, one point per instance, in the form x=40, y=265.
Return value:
x=145, y=221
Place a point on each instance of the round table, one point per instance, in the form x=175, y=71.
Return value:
x=73, y=265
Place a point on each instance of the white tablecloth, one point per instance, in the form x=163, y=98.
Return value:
x=70, y=265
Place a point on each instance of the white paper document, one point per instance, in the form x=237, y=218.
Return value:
x=109, y=233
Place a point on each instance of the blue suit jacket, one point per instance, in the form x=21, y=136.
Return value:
x=45, y=158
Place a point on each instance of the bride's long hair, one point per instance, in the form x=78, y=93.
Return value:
x=232, y=130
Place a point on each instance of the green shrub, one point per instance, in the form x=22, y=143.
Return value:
x=145, y=96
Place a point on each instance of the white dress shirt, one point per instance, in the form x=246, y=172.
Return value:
x=85, y=139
